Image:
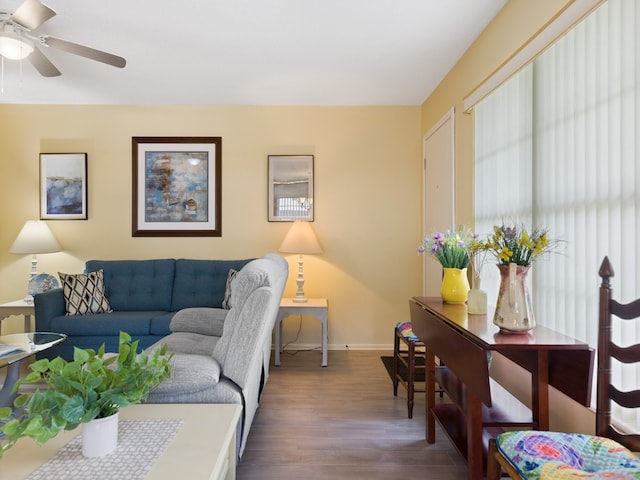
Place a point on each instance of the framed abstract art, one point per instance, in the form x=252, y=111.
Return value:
x=176, y=186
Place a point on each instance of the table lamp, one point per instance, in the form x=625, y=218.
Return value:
x=300, y=239
x=34, y=238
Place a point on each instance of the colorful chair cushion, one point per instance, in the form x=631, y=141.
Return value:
x=556, y=456
x=406, y=331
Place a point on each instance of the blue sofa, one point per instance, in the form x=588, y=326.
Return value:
x=144, y=296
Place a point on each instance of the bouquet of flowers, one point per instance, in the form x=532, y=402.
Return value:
x=514, y=244
x=451, y=249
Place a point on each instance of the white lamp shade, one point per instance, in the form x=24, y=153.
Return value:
x=301, y=239
x=34, y=238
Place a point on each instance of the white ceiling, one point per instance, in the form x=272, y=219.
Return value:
x=251, y=52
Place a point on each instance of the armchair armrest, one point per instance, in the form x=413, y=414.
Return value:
x=202, y=320
x=48, y=305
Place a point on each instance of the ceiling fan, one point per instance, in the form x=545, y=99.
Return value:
x=17, y=42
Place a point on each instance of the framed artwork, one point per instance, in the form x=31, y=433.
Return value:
x=63, y=186
x=177, y=186
x=290, y=188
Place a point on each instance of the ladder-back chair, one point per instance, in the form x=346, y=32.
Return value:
x=608, y=453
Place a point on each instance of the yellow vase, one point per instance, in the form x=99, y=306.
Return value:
x=455, y=285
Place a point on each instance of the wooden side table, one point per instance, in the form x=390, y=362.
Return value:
x=18, y=307
x=313, y=307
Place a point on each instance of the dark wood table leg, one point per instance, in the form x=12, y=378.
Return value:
x=474, y=437
x=430, y=395
x=540, y=391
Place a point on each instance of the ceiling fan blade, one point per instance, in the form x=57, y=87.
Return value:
x=84, y=51
x=31, y=14
x=43, y=64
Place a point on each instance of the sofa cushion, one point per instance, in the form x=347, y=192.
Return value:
x=248, y=280
x=190, y=374
x=137, y=285
x=111, y=342
x=84, y=293
x=251, y=279
x=160, y=323
x=105, y=324
x=201, y=283
x=226, y=303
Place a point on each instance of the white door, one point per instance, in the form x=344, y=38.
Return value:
x=438, y=193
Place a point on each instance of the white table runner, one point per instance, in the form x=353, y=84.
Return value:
x=140, y=444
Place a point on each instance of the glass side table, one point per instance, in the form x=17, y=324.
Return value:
x=29, y=344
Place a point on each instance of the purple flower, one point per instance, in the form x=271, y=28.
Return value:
x=448, y=248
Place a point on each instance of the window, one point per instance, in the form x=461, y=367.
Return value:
x=558, y=145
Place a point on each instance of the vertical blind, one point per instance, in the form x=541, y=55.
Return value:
x=558, y=146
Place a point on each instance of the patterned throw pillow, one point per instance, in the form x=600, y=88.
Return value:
x=226, y=303
x=84, y=293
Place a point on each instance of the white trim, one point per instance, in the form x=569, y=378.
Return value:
x=577, y=10
x=442, y=121
x=449, y=116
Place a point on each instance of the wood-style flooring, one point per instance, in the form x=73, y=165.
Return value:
x=342, y=421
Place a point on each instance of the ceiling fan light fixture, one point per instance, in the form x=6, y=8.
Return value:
x=14, y=48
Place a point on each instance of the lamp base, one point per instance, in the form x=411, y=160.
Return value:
x=300, y=298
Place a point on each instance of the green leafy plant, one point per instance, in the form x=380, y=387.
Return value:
x=92, y=385
x=451, y=249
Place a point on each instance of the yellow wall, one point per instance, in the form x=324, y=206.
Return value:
x=367, y=186
x=514, y=25
x=517, y=22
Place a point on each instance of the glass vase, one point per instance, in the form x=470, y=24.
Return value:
x=455, y=285
x=514, y=311
x=477, y=298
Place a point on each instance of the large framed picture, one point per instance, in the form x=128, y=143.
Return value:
x=290, y=188
x=63, y=186
x=177, y=186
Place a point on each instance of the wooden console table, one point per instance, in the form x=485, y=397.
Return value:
x=480, y=407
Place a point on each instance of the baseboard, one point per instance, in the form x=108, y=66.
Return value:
x=337, y=346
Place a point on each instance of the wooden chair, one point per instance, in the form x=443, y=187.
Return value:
x=536, y=454
x=403, y=334
x=411, y=358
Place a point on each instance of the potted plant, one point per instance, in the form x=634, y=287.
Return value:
x=91, y=387
x=451, y=250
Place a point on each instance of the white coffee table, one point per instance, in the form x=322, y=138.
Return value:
x=203, y=448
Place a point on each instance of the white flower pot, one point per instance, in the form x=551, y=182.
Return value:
x=100, y=436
